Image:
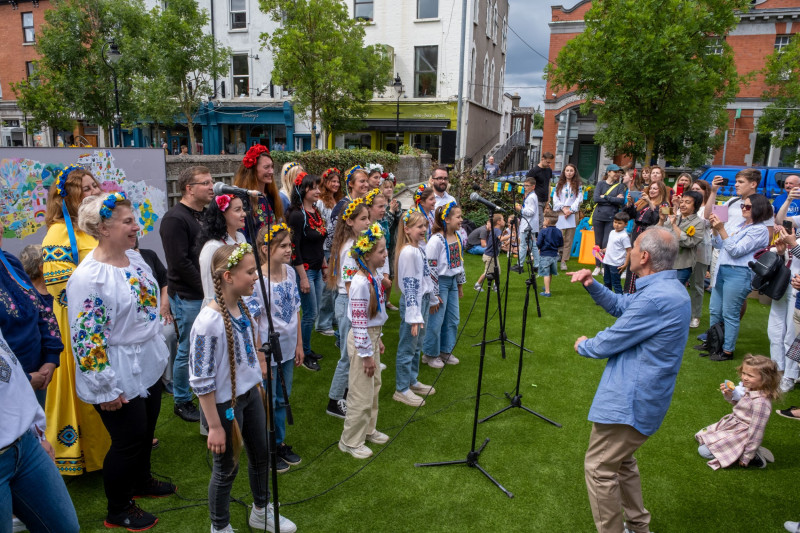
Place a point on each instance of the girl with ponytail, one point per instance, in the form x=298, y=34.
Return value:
x=225, y=371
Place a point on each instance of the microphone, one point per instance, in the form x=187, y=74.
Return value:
x=475, y=197
x=223, y=188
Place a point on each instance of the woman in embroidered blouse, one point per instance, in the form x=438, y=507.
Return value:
x=257, y=173
x=120, y=352
x=330, y=192
x=308, y=235
x=74, y=428
x=567, y=199
x=223, y=218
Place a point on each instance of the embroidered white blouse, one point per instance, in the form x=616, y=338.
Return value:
x=529, y=215
x=209, y=367
x=21, y=412
x=358, y=313
x=205, y=263
x=285, y=300
x=116, y=333
x=566, y=199
x=347, y=266
x=437, y=251
x=414, y=278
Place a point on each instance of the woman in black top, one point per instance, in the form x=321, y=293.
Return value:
x=609, y=196
x=308, y=236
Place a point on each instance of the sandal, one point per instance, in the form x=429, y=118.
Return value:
x=787, y=413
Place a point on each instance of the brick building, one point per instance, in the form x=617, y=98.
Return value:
x=766, y=27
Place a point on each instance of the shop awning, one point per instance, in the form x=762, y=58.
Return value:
x=409, y=124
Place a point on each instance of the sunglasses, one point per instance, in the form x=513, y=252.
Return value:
x=746, y=207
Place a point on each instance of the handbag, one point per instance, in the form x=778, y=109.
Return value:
x=772, y=275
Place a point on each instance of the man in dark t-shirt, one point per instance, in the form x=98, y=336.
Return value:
x=543, y=173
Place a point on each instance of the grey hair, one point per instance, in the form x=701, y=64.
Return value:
x=32, y=261
x=89, y=219
x=662, y=246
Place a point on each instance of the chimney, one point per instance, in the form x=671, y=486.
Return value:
x=515, y=100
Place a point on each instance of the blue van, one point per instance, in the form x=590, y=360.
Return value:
x=772, y=178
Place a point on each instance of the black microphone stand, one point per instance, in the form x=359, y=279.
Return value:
x=272, y=352
x=473, y=454
x=516, y=399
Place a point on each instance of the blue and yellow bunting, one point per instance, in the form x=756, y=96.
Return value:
x=498, y=186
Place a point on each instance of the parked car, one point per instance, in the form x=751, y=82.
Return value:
x=772, y=178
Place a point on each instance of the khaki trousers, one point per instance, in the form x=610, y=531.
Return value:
x=362, y=393
x=612, y=479
x=568, y=234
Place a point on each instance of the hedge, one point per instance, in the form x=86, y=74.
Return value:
x=317, y=161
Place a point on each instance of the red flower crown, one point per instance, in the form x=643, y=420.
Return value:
x=299, y=178
x=253, y=154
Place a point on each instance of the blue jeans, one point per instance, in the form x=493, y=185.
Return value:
x=278, y=402
x=443, y=325
x=184, y=311
x=408, y=348
x=342, y=372
x=528, y=234
x=730, y=291
x=325, y=316
x=309, y=302
x=32, y=489
x=684, y=274
x=477, y=250
x=611, y=278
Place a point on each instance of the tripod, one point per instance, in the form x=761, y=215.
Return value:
x=473, y=454
x=516, y=399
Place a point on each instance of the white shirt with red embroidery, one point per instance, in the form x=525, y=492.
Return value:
x=358, y=312
x=437, y=252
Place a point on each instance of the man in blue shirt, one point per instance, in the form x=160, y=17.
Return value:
x=790, y=183
x=644, y=349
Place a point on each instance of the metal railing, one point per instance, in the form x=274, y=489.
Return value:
x=516, y=140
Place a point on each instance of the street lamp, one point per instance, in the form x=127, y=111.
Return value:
x=398, y=87
x=111, y=56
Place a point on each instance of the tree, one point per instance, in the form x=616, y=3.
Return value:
x=182, y=64
x=320, y=54
x=656, y=74
x=37, y=97
x=781, y=118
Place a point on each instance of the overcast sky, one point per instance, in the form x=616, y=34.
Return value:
x=524, y=67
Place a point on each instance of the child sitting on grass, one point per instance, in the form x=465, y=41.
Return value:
x=549, y=241
x=738, y=436
x=498, y=223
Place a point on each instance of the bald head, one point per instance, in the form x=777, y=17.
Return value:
x=791, y=182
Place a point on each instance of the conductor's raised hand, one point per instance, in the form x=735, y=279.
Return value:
x=582, y=276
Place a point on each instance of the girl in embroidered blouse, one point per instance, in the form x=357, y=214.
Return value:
x=425, y=202
x=330, y=192
x=376, y=203
x=225, y=371
x=367, y=313
x=284, y=300
x=223, y=219
x=444, y=251
x=342, y=267
x=120, y=353
x=416, y=287
x=737, y=437
x=257, y=173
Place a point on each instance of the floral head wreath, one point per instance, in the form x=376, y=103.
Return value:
x=418, y=193
x=352, y=171
x=388, y=176
x=289, y=167
x=61, y=178
x=408, y=214
x=223, y=201
x=447, y=208
x=375, y=166
x=370, y=198
x=273, y=230
x=253, y=154
x=351, y=207
x=238, y=253
x=110, y=203
x=332, y=170
x=366, y=241
x=299, y=178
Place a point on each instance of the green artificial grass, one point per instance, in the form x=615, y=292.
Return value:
x=540, y=463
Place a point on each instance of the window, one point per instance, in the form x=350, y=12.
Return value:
x=714, y=46
x=500, y=87
x=30, y=69
x=28, y=33
x=241, y=75
x=504, y=42
x=485, y=89
x=472, y=64
x=429, y=142
x=476, y=6
x=363, y=9
x=427, y=9
x=238, y=14
x=491, y=86
x=781, y=42
x=353, y=141
x=488, y=18
x=494, y=23
x=426, y=60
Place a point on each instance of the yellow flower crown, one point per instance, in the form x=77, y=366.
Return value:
x=238, y=254
x=418, y=193
x=408, y=214
x=351, y=207
x=447, y=208
x=289, y=167
x=366, y=241
x=275, y=228
x=370, y=198
x=352, y=170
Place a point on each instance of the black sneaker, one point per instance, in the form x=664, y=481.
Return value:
x=516, y=268
x=156, y=489
x=337, y=408
x=757, y=462
x=314, y=355
x=721, y=356
x=187, y=411
x=311, y=364
x=132, y=518
x=282, y=465
x=285, y=452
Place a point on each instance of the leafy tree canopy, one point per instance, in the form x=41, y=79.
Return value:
x=781, y=119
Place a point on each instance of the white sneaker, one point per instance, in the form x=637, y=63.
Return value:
x=563, y=265
x=226, y=529
x=433, y=362
x=477, y=288
x=695, y=323
x=377, y=437
x=787, y=384
x=359, y=452
x=327, y=332
x=17, y=525
x=261, y=519
x=422, y=389
x=383, y=367
x=792, y=527
x=449, y=358
x=408, y=397
x=596, y=271
x=766, y=454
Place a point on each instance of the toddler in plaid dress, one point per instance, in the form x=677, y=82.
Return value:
x=737, y=436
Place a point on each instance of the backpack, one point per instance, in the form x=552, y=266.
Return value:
x=715, y=337
x=772, y=276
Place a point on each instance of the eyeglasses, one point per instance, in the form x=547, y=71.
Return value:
x=440, y=178
x=747, y=207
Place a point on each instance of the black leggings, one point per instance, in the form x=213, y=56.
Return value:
x=602, y=229
x=126, y=468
